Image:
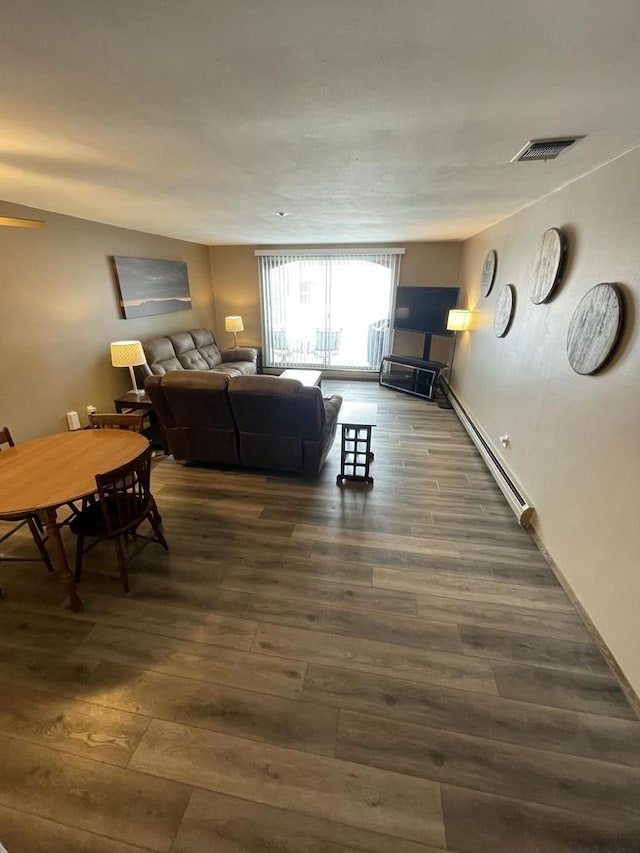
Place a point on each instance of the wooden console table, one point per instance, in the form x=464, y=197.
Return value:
x=307, y=377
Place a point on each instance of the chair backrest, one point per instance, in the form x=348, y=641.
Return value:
x=125, y=494
x=328, y=340
x=131, y=422
x=279, y=339
x=5, y=437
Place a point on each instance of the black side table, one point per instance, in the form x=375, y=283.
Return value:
x=131, y=402
x=357, y=421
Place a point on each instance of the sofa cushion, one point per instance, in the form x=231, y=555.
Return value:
x=275, y=406
x=194, y=410
x=235, y=368
x=254, y=421
x=199, y=398
x=161, y=356
x=196, y=349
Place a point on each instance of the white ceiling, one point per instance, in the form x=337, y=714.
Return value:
x=366, y=120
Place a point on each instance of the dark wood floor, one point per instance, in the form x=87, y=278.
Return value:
x=317, y=670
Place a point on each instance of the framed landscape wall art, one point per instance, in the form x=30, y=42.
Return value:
x=149, y=286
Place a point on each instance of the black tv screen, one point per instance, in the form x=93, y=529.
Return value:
x=424, y=309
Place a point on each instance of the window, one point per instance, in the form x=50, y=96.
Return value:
x=327, y=309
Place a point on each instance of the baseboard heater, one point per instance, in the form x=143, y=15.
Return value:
x=512, y=492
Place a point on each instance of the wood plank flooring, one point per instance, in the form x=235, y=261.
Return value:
x=314, y=669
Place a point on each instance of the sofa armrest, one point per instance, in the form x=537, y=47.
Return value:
x=240, y=354
x=331, y=408
x=315, y=452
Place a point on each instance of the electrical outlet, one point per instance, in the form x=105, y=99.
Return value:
x=505, y=441
x=91, y=410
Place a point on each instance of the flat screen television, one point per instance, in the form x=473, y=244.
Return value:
x=424, y=309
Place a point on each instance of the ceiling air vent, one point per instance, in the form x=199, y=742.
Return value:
x=545, y=149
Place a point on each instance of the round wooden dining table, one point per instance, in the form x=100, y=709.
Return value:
x=41, y=475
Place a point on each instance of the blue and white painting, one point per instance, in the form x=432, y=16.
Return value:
x=149, y=286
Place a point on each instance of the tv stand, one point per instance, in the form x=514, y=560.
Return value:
x=426, y=349
x=417, y=376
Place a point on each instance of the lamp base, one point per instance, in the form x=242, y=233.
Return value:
x=135, y=390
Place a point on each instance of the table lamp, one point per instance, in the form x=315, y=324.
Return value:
x=459, y=320
x=234, y=324
x=128, y=354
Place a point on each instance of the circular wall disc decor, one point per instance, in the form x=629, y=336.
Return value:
x=595, y=328
x=504, y=311
x=488, y=272
x=548, y=265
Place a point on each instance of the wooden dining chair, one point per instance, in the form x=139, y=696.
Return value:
x=132, y=422
x=17, y=522
x=124, y=502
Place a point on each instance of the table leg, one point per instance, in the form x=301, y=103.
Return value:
x=60, y=559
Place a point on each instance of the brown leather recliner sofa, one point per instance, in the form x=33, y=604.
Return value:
x=251, y=421
x=196, y=349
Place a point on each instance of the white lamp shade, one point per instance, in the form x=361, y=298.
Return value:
x=459, y=320
x=127, y=354
x=234, y=324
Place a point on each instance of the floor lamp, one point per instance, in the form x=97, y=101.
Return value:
x=458, y=320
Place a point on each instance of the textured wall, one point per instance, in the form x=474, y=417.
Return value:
x=60, y=310
x=234, y=272
x=575, y=445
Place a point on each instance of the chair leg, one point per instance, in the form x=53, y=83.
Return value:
x=124, y=577
x=79, y=556
x=37, y=538
x=155, y=512
x=153, y=520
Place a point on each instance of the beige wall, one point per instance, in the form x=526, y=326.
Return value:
x=428, y=265
x=59, y=311
x=236, y=290
x=575, y=440
x=234, y=272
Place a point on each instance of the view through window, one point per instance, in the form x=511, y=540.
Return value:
x=327, y=309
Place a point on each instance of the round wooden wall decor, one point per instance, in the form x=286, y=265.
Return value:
x=504, y=311
x=488, y=272
x=595, y=328
x=548, y=265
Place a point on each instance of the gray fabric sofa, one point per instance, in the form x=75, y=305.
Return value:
x=196, y=349
x=250, y=421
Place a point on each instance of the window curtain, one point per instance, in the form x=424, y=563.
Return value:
x=327, y=308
